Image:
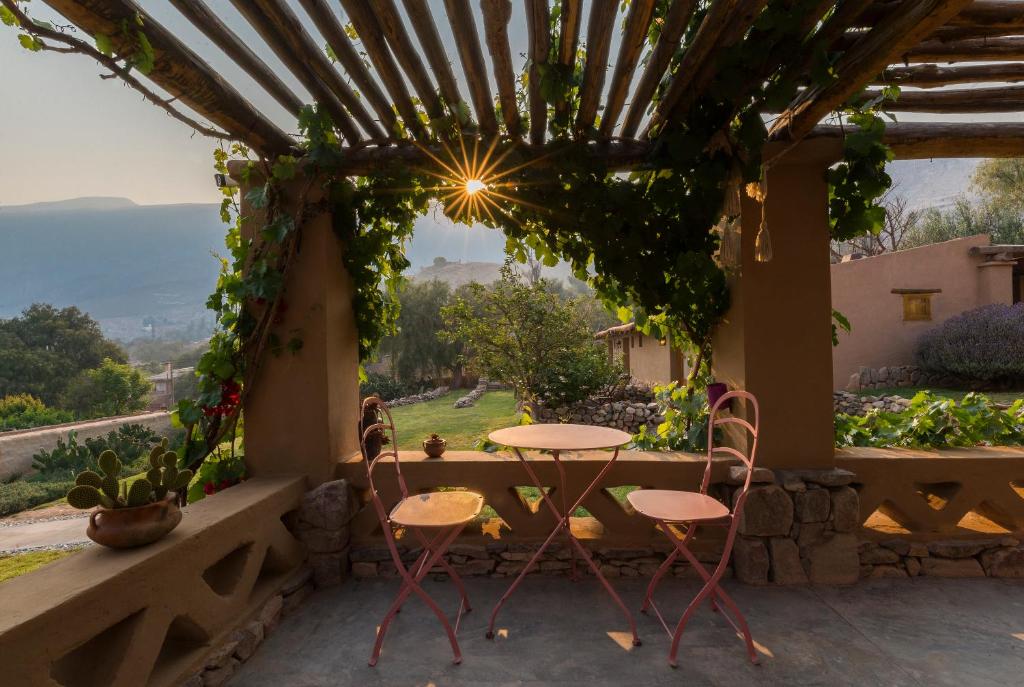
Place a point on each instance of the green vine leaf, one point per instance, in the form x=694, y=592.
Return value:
x=104, y=44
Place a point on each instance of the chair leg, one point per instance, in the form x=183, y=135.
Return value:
x=662, y=569
x=451, y=573
x=412, y=585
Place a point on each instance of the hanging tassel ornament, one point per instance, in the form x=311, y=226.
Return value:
x=763, y=240
x=729, y=226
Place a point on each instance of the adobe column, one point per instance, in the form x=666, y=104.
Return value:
x=302, y=411
x=776, y=338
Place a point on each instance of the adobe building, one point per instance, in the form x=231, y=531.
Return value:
x=894, y=298
x=647, y=359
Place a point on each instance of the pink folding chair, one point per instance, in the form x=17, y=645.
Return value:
x=443, y=513
x=670, y=509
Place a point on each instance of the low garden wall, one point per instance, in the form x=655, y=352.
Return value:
x=185, y=610
x=628, y=410
x=17, y=447
x=798, y=526
x=905, y=375
x=856, y=404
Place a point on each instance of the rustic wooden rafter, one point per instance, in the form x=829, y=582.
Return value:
x=538, y=19
x=599, y=40
x=327, y=23
x=904, y=28
x=676, y=21
x=203, y=18
x=430, y=40
x=404, y=51
x=370, y=33
x=179, y=71
x=497, y=14
x=973, y=50
x=568, y=41
x=637, y=23
x=1001, y=99
x=933, y=75
x=460, y=16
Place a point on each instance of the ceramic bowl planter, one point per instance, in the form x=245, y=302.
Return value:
x=434, y=446
x=126, y=528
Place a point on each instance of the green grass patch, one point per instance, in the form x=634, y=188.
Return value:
x=16, y=564
x=1006, y=397
x=462, y=427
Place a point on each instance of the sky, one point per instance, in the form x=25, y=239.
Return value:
x=66, y=133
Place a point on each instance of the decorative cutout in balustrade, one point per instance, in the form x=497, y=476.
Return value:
x=498, y=475
x=954, y=492
x=149, y=616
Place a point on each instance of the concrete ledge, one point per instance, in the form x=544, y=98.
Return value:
x=149, y=616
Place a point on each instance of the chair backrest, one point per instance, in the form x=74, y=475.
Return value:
x=377, y=441
x=715, y=420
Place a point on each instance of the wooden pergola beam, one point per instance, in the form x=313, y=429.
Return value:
x=423, y=24
x=537, y=21
x=676, y=21
x=971, y=50
x=924, y=140
x=1003, y=99
x=402, y=48
x=639, y=19
x=203, y=18
x=371, y=34
x=460, y=16
x=865, y=60
x=996, y=14
x=328, y=24
x=282, y=29
x=933, y=75
x=568, y=39
x=599, y=38
x=497, y=14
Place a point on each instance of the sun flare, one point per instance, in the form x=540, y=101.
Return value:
x=475, y=186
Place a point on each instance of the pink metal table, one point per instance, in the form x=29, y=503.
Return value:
x=558, y=438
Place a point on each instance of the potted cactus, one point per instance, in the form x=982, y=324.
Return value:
x=131, y=515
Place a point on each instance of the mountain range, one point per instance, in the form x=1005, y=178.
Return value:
x=133, y=267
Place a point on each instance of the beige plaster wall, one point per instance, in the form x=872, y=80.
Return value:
x=862, y=291
x=650, y=362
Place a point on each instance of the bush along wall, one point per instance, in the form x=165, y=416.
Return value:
x=985, y=344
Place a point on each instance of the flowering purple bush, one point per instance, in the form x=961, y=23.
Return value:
x=984, y=344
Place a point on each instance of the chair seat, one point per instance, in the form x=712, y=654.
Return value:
x=437, y=509
x=676, y=506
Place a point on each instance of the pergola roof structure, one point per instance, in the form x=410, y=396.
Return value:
x=392, y=73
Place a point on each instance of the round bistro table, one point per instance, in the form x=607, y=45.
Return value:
x=556, y=438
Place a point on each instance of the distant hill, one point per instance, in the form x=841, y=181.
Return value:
x=116, y=260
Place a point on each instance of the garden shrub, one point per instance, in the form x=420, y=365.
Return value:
x=130, y=442
x=931, y=422
x=24, y=411
x=383, y=386
x=576, y=375
x=686, y=421
x=985, y=344
x=21, y=495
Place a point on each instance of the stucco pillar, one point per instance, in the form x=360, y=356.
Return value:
x=776, y=338
x=995, y=282
x=302, y=411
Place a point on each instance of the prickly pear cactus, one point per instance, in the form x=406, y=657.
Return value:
x=139, y=493
x=85, y=497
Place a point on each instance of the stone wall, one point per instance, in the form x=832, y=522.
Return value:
x=473, y=396
x=419, y=398
x=904, y=375
x=630, y=408
x=853, y=404
x=798, y=527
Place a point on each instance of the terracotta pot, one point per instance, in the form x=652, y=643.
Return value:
x=434, y=446
x=125, y=528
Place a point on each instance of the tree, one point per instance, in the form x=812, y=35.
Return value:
x=418, y=351
x=999, y=211
x=111, y=389
x=525, y=335
x=45, y=347
x=899, y=223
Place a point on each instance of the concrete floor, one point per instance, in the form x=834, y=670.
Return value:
x=556, y=632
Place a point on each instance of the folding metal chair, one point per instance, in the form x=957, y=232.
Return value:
x=443, y=513
x=683, y=508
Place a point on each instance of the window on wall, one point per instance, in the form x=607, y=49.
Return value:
x=917, y=304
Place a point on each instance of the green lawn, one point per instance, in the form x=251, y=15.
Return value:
x=462, y=427
x=956, y=395
x=22, y=563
